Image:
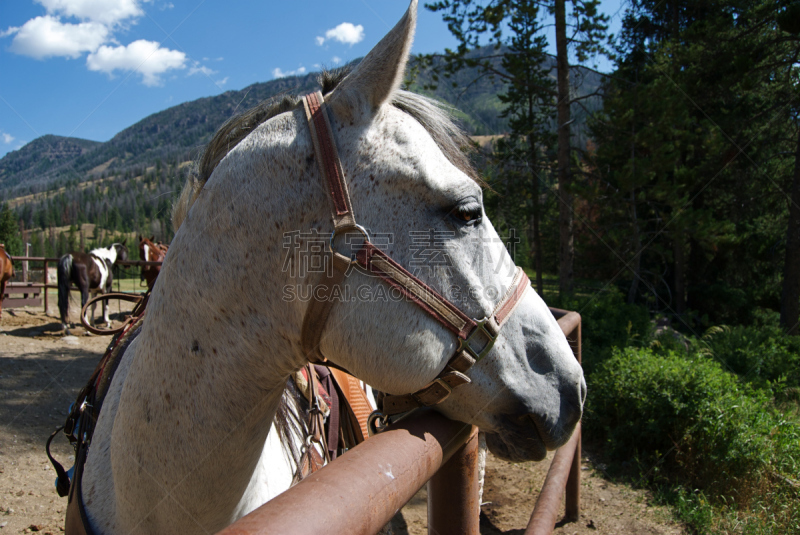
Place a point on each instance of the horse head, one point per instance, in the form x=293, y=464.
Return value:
x=120, y=250
x=412, y=189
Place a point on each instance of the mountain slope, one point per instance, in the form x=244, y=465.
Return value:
x=44, y=156
x=179, y=133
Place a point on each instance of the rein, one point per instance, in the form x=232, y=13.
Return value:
x=475, y=337
x=131, y=298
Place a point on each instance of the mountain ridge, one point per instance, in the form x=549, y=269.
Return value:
x=180, y=132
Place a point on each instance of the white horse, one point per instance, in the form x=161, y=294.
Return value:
x=180, y=442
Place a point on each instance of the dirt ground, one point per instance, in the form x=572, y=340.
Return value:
x=41, y=372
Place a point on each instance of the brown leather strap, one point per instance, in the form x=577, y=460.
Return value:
x=357, y=402
x=376, y=261
x=132, y=298
x=318, y=310
x=327, y=383
x=512, y=297
x=328, y=158
x=453, y=374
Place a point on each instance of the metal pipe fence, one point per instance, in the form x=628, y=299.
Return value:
x=363, y=489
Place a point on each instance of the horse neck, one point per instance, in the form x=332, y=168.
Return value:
x=216, y=348
x=105, y=254
x=206, y=379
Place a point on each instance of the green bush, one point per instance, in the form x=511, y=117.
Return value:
x=684, y=420
x=608, y=322
x=762, y=355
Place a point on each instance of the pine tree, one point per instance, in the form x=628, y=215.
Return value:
x=582, y=30
x=9, y=231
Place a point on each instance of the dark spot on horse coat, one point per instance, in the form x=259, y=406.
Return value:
x=195, y=347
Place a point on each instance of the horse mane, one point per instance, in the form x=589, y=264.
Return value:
x=432, y=115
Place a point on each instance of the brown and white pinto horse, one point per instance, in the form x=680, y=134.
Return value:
x=89, y=272
x=151, y=252
x=6, y=272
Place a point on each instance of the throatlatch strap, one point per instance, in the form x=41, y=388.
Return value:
x=319, y=309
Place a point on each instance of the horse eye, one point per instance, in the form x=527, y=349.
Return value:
x=469, y=213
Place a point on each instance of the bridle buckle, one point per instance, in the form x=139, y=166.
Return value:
x=480, y=328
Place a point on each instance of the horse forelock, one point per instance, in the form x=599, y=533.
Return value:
x=432, y=115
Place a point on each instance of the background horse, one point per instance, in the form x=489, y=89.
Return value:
x=6, y=272
x=181, y=440
x=151, y=252
x=89, y=272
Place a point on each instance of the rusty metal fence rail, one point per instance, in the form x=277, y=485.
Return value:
x=362, y=490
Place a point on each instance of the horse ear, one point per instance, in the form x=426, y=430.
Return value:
x=378, y=75
x=140, y=237
x=123, y=241
x=153, y=237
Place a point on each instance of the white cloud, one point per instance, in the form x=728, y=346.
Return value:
x=345, y=33
x=198, y=68
x=47, y=36
x=145, y=57
x=107, y=12
x=10, y=31
x=278, y=73
x=7, y=138
x=223, y=81
x=72, y=28
x=336, y=60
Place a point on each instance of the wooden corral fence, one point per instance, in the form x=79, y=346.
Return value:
x=34, y=293
x=362, y=490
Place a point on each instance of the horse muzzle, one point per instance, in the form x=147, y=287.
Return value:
x=528, y=436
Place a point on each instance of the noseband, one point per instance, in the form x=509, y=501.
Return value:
x=475, y=337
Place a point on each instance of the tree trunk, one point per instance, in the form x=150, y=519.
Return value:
x=637, y=245
x=637, y=239
x=537, y=235
x=679, y=284
x=790, y=297
x=567, y=247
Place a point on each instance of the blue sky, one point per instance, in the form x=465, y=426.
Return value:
x=90, y=68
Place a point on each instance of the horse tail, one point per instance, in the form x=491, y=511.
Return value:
x=64, y=276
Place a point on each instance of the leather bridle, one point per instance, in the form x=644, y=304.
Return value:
x=475, y=337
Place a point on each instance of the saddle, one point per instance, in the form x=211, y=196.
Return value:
x=337, y=418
